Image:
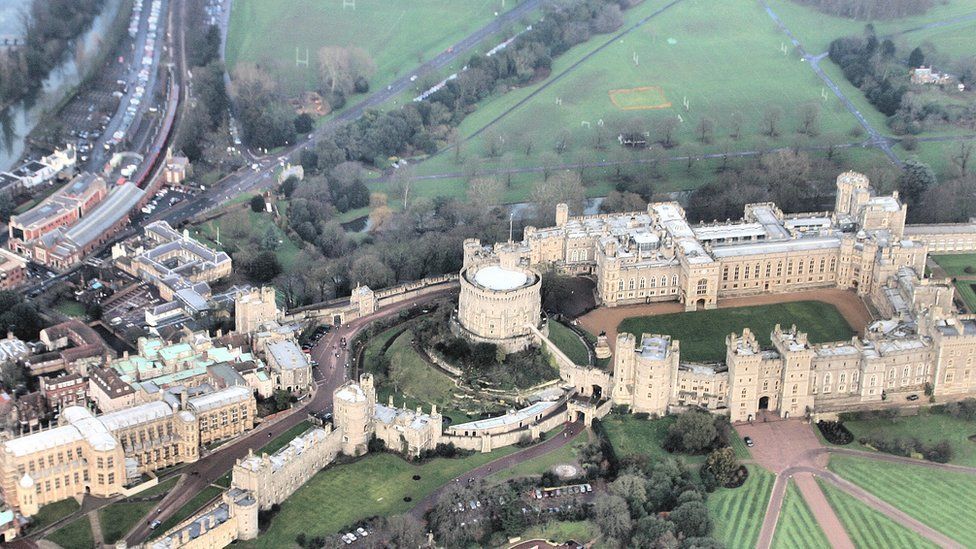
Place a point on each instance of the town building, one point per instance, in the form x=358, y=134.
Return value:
x=100, y=455
x=64, y=246
x=13, y=270
x=179, y=266
x=926, y=75
x=32, y=173
x=62, y=209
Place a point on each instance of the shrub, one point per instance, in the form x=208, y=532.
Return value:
x=835, y=432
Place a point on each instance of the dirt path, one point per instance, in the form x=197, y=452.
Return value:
x=848, y=304
x=822, y=511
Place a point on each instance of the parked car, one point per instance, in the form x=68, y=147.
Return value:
x=748, y=441
x=912, y=398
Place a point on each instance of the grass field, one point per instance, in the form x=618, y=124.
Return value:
x=702, y=333
x=397, y=34
x=161, y=488
x=569, y=343
x=374, y=485
x=629, y=436
x=561, y=531
x=118, y=518
x=541, y=464
x=738, y=512
x=966, y=293
x=53, y=512
x=77, y=534
x=797, y=528
x=940, y=499
x=717, y=55
x=815, y=30
x=927, y=428
x=869, y=528
x=283, y=439
x=955, y=264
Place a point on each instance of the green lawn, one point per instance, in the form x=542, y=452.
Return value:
x=797, y=528
x=161, y=488
x=738, y=512
x=561, y=531
x=541, y=464
x=412, y=376
x=631, y=436
x=966, y=293
x=189, y=508
x=53, y=512
x=118, y=518
x=374, y=485
x=247, y=232
x=397, y=34
x=569, y=343
x=75, y=535
x=816, y=30
x=717, y=55
x=70, y=307
x=868, y=527
x=702, y=333
x=955, y=264
x=940, y=499
x=928, y=428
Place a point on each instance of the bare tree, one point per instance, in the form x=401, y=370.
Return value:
x=735, y=125
x=341, y=66
x=704, y=130
x=484, y=192
x=809, y=119
x=770, y=121
x=666, y=129
x=562, y=187
x=961, y=158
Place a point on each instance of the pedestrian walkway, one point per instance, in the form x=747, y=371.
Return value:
x=792, y=450
x=96, y=527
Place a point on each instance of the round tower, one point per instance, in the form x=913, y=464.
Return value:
x=28, y=501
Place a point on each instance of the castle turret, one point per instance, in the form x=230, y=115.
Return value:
x=562, y=214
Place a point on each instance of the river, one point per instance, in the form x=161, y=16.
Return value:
x=17, y=121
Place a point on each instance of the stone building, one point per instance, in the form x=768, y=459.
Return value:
x=863, y=245
x=657, y=255
x=359, y=418
x=500, y=300
x=254, y=308
x=100, y=455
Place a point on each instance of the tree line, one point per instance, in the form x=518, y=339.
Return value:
x=870, y=9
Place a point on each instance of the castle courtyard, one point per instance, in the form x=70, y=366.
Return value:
x=848, y=304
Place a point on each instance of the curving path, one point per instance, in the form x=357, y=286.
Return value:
x=790, y=449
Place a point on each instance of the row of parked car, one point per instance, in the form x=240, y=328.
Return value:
x=543, y=493
x=350, y=537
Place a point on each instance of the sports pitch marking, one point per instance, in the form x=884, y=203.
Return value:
x=640, y=98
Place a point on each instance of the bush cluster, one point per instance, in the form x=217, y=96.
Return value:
x=940, y=452
x=835, y=432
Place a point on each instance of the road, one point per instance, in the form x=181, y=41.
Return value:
x=875, y=137
x=247, y=179
x=330, y=373
x=479, y=473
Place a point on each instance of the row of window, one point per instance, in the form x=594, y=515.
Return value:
x=46, y=485
x=645, y=282
x=811, y=265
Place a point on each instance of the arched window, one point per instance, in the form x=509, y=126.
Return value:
x=794, y=388
x=630, y=285
x=643, y=283
x=664, y=281
x=583, y=255
x=874, y=380
x=653, y=282
x=575, y=255
x=907, y=372
x=674, y=280
x=826, y=383
x=620, y=285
